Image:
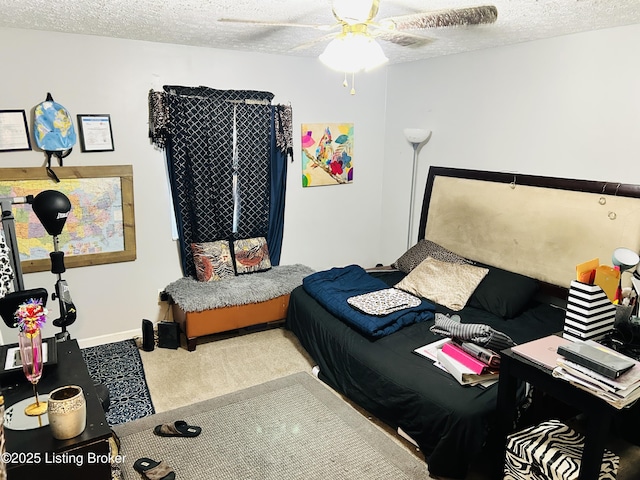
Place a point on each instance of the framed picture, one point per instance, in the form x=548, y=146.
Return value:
x=14, y=131
x=100, y=227
x=95, y=133
x=10, y=355
x=327, y=154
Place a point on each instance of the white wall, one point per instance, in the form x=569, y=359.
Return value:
x=324, y=226
x=565, y=107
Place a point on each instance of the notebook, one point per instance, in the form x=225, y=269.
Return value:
x=543, y=351
x=598, y=358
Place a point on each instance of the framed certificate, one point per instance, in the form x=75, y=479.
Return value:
x=14, y=131
x=95, y=133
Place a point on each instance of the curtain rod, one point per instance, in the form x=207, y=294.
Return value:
x=247, y=101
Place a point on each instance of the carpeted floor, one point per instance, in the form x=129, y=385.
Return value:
x=119, y=367
x=289, y=428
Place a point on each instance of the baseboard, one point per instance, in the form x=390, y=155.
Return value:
x=110, y=338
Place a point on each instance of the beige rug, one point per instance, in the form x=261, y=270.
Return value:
x=221, y=364
x=290, y=428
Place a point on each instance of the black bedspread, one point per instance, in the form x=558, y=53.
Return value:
x=448, y=421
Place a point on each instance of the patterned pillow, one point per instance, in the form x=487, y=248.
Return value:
x=251, y=255
x=448, y=284
x=212, y=260
x=423, y=249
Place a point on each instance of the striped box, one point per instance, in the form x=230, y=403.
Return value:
x=551, y=451
x=590, y=313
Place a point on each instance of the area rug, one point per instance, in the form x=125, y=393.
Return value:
x=118, y=366
x=290, y=428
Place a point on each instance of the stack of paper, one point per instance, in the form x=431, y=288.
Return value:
x=619, y=392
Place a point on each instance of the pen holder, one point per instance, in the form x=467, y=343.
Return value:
x=590, y=314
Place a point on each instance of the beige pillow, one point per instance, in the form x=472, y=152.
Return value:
x=448, y=284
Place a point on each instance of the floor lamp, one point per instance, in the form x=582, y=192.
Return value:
x=416, y=137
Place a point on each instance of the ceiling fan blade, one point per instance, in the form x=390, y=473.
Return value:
x=404, y=39
x=314, y=42
x=279, y=24
x=442, y=18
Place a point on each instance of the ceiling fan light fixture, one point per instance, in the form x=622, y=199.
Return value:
x=353, y=52
x=355, y=11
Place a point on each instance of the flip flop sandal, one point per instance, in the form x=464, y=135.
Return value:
x=179, y=428
x=152, y=470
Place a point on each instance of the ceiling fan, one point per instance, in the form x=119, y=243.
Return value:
x=353, y=46
x=358, y=17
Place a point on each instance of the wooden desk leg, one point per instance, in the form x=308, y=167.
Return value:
x=595, y=438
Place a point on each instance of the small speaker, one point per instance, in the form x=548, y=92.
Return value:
x=168, y=335
x=147, y=336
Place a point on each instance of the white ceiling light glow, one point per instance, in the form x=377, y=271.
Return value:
x=353, y=52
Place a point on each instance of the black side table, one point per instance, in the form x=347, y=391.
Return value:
x=35, y=453
x=599, y=413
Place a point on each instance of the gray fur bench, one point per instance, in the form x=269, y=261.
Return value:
x=205, y=308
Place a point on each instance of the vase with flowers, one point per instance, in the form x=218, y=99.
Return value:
x=31, y=317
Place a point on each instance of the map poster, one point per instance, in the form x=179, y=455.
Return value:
x=95, y=230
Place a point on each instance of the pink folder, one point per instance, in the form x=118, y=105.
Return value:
x=472, y=363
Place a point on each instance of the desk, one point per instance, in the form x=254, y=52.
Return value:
x=599, y=413
x=40, y=455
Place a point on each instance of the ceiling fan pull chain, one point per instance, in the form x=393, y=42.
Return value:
x=353, y=83
x=345, y=84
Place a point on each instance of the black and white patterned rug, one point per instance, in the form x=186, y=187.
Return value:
x=119, y=367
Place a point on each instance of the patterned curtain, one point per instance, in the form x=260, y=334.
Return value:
x=281, y=148
x=218, y=146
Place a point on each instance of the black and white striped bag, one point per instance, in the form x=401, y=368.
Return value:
x=474, y=332
x=550, y=451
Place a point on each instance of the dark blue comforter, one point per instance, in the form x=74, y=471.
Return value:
x=331, y=289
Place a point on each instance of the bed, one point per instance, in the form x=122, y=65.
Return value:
x=528, y=232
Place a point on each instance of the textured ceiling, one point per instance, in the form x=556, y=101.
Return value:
x=194, y=22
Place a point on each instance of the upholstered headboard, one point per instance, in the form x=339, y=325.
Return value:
x=539, y=226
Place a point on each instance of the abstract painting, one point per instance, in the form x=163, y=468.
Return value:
x=327, y=154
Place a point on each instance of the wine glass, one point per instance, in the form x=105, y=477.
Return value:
x=31, y=356
x=32, y=316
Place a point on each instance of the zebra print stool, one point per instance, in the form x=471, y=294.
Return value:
x=550, y=451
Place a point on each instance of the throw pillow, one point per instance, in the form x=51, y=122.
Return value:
x=504, y=293
x=448, y=284
x=212, y=260
x=251, y=255
x=423, y=249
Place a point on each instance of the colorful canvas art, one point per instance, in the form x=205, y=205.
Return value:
x=327, y=154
